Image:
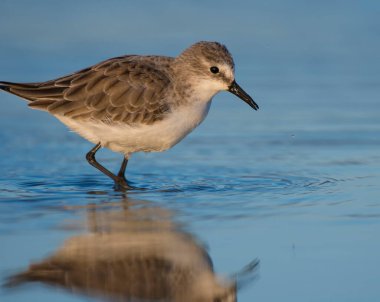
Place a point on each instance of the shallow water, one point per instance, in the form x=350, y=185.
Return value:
x=295, y=185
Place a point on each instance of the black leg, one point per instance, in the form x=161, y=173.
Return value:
x=119, y=181
x=124, y=164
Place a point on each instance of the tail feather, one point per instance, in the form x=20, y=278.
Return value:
x=18, y=89
x=32, y=91
x=4, y=86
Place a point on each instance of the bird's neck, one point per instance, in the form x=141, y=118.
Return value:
x=194, y=91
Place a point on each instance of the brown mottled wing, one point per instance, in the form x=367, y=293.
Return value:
x=128, y=89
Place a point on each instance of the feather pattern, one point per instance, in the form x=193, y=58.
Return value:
x=129, y=83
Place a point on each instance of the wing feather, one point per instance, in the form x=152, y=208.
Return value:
x=130, y=89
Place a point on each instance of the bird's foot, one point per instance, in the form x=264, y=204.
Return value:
x=121, y=184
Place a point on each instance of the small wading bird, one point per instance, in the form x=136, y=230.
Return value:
x=136, y=103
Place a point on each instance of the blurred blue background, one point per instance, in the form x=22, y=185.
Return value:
x=295, y=184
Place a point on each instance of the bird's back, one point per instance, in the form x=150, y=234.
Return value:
x=137, y=84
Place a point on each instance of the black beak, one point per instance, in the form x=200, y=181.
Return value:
x=238, y=91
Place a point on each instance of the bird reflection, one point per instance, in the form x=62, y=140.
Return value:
x=132, y=252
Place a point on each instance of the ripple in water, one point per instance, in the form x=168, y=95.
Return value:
x=197, y=198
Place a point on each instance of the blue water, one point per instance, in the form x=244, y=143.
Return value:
x=295, y=184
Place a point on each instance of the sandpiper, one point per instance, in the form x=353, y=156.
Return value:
x=136, y=103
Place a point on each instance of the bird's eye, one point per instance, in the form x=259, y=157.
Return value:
x=214, y=69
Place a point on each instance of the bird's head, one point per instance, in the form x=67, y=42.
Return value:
x=211, y=66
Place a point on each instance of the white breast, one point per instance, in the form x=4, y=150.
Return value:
x=159, y=136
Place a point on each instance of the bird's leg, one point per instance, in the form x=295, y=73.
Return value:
x=121, y=173
x=119, y=181
x=90, y=156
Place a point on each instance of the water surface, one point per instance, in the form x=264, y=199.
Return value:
x=295, y=184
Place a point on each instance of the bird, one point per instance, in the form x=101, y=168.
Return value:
x=136, y=103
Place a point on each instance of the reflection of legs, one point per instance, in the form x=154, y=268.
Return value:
x=121, y=181
x=92, y=221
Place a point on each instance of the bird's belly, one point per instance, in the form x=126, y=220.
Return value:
x=159, y=136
